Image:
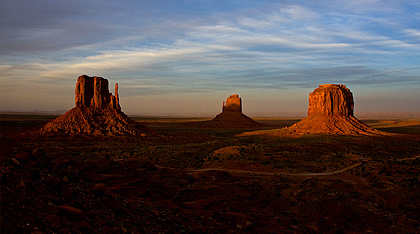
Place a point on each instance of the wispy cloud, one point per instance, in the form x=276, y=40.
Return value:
x=408, y=76
x=413, y=32
x=156, y=51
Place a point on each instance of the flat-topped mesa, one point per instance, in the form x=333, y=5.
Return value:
x=331, y=99
x=233, y=103
x=93, y=92
x=330, y=112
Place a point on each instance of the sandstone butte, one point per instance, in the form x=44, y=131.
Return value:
x=231, y=116
x=330, y=111
x=97, y=112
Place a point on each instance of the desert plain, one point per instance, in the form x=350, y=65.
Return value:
x=131, y=151
x=184, y=178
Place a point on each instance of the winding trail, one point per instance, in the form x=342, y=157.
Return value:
x=405, y=159
x=233, y=171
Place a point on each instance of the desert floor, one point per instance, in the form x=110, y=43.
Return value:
x=185, y=179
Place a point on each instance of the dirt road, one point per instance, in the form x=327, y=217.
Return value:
x=412, y=158
x=277, y=173
x=233, y=171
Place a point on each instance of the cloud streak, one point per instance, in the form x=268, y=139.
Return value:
x=170, y=50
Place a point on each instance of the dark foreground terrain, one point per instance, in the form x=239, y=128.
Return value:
x=192, y=180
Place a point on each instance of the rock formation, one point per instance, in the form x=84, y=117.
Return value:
x=331, y=99
x=330, y=111
x=97, y=112
x=231, y=116
x=93, y=92
x=233, y=104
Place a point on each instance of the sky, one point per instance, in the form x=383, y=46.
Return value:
x=185, y=57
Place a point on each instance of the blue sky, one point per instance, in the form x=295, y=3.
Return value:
x=186, y=57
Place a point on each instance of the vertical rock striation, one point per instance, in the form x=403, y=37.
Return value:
x=331, y=99
x=93, y=92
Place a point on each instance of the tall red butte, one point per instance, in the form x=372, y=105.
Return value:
x=97, y=112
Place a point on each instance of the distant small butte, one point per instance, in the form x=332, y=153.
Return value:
x=231, y=117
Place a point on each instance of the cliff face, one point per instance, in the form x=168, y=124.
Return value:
x=97, y=112
x=233, y=103
x=93, y=92
x=331, y=99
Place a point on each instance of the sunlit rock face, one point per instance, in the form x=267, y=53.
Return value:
x=330, y=111
x=331, y=99
x=233, y=103
x=97, y=112
x=93, y=92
